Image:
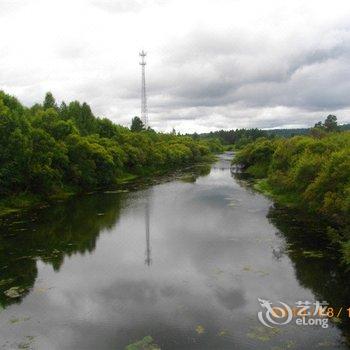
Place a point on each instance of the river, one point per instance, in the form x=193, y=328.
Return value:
x=183, y=261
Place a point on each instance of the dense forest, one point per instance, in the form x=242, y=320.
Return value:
x=310, y=172
x=48, y=150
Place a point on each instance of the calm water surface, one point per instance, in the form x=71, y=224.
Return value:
x=183, y=261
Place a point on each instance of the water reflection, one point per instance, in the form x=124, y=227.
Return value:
x=64, y=229
x=317, y=266
x=148, y=259
x=322, y=273
x=49, y=235
x=183, y=261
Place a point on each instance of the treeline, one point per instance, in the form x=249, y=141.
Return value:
x=241, y=137
x=299, y=131
x=308, y=172
x=47, y=149
x=238, y=137
x=288, y=132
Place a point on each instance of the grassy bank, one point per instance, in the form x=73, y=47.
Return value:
x=311, y=173
x=286, y=199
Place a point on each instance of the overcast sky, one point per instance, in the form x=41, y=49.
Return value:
x=210, y=65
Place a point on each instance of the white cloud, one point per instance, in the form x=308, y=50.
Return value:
x=211, y=64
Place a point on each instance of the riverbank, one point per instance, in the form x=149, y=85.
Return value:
x=308, y=173
x=49, y=151
x=286, y=199
x=27, y=201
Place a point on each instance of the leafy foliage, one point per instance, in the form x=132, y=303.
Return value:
x=312, y=172
x=47, y=149
x=137, y=124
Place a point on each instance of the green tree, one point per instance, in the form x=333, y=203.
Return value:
x=137, y=125
x=49, y=101
x=330, y=123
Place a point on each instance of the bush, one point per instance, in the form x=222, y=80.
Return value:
x=312, y=173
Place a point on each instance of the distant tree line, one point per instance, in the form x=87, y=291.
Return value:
x=330, y=124
x=238, y=137
x=241, y=137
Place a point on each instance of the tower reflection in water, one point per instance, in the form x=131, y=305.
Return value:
x=148, y=259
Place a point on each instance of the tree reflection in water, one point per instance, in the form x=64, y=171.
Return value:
x=64, y=229
x=321, y=273
x=51, y=234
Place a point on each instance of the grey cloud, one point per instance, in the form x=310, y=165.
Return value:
x=315, y=79
x=205, y=76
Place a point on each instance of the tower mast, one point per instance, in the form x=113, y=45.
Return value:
x=144, y=112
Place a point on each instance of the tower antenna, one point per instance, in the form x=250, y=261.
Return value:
x=144, y=112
